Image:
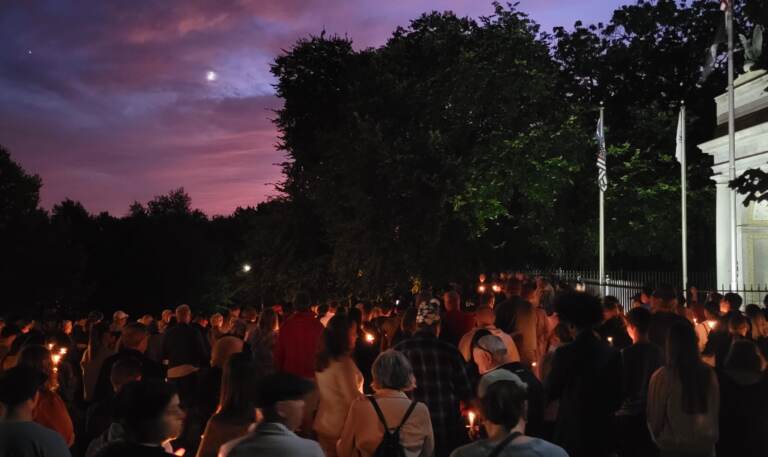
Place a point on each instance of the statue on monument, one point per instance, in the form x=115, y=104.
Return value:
x=753, y=48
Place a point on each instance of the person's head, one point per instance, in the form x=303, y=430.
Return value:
x=250, y=314
x=611, y=307
x=19, y=391
x=505, y=313
x=392, y=370
x=489, y=353
x=146, y=319
x=513, y=287
x=338, y=340
x=578, y=311
x=645, y=294
x=67, y=326
x=37, y=357
x=635, y=301
x=268, y=321
x=503, y=406
x=120, y=318
x=730, y=302
x=428, y=316
x=183, y=314
x=234, y=311
x=685, y=363
x=664, y=299
x=712, y=310
x=224, y=348
x=302, y=302
x=744, y=356
x=149, y=411
x=134, y=336
x=167, y=315
x=638, y=323
x=100, y=337
x=487, y=299
x=452, y=300
x=738, y=325
x=759, y=326
x=125, y=370
x=237, y=397
x=217, y=320
x=356, y=315
x=281, y=398
x=484, y=316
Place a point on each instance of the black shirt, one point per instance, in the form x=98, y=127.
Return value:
x=184, y=345
x=638, y=363
x=743, y=415
x=661, y=322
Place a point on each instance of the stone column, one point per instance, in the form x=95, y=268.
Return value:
x=723, y=232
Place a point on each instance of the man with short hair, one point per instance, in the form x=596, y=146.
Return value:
x=639, y=361
x=730, y=304
x=184, y=353
x=20, y=436
x=456, y=322
x=150, y=413
x=119, y=320
x=613, y=329
x=281, y=401
x=441, y=379
x=586, y=379
x=663, y=303
x=133, y=344
x=490, y=355
x=485, y=318
x=503, y=409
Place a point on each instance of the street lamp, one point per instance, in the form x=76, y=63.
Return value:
x=246, y=268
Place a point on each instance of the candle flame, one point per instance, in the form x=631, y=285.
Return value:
x=471, y=417
x=63, y=351
x=711, y=324
x=369, y=337
x=56, y=358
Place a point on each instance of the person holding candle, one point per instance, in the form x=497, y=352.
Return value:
x=50, y=410
x=503, y=408
x=20, y=436
x=363, y=429
x=339, y=381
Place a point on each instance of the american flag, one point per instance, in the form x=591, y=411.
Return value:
x=725, y=5
x=602, y=173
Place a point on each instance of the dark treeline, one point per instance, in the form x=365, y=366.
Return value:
x=458, y=146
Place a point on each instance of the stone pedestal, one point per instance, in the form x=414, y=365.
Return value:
x=751, y=152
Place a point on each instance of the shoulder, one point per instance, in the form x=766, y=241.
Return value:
x=545, y=448
x=476, y=449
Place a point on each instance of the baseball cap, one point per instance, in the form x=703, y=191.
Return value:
x=428, y=313
x=120, y=314
x=497, y=375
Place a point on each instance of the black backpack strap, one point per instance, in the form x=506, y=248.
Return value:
x=407, y=415
x=379, y=413
x=496, y=452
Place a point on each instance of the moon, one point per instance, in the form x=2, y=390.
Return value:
x=211, y=75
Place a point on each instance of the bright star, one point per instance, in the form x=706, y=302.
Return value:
x=211, y=75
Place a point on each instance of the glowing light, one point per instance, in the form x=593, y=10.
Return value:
x=56, y=358
x=369, y=337
x=211, y=76
x=610, y=340
x=711, y=324
x=63, y=351
x=246, y=268
x=481, y=288
x=471, y=418
x=496, y=288
x=50, y=346
x=533, y=364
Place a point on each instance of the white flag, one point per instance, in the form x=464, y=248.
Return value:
x=679, y=150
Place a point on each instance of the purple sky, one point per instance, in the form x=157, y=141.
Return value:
x=108, y=100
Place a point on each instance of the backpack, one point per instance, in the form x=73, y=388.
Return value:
x=496, y=452
x=390, y=443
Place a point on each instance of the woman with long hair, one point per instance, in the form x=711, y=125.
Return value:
x=262, y=339
x=211, y=379
x=101, y=344
x=235, y=411
x=684, y=399
x=339, y=381
x=50, y=410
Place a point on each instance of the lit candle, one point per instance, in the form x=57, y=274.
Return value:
x=369, y=337
x=63, y=351
x=496, y=288
x=56, y=358
x=50, y=346
x=481, y=288
x=610, y=340
x=533, y=364
x=471, y=417
x=711, y=324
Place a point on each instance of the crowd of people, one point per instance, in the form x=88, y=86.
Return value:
x=518, y=367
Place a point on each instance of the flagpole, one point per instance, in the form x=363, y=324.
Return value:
x=732, y=145
x=602, y=224
x=684, y=200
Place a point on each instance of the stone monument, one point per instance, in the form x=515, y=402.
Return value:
x=751, y=101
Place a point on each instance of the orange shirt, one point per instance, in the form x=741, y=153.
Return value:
x=51, y=412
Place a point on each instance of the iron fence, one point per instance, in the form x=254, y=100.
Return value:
x=626, y=284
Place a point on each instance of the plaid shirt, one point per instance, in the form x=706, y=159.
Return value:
x=441, y=383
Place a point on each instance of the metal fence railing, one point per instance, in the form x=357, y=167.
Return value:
x=625, y=284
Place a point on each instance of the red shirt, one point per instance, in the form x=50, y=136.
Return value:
x=455, y=324
x=297, y=344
